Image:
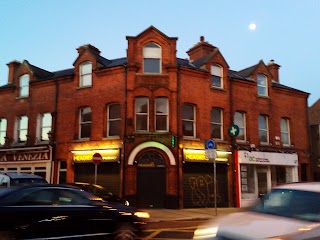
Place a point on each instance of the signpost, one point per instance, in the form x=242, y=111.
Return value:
x=96, y=159
x=211, y=153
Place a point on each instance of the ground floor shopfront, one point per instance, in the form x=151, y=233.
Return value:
x=34, y=160
x=258, y=172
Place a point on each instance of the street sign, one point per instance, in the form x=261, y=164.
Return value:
x=211, y=153
x=209, y=144
x=234, y=130
x=96, y=158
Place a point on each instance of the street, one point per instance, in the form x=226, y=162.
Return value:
x=171, y=229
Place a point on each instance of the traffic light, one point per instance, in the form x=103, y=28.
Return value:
x=173, y=141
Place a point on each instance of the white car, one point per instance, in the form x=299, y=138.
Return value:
x=290, y=211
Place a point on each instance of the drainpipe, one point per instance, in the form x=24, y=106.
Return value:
x=122, y=190
x=180, y=191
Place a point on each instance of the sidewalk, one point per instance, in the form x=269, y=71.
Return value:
x=157, y=215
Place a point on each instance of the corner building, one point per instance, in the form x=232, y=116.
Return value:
x=148, y=115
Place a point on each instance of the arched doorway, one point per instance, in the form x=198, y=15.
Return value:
x=151, y=180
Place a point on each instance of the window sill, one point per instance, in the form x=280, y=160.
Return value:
x=152, y=74
x=42, y=142
x=190, y=138
x=263, y=96
x=111, y=137
x=217, y=88
x=23, y=97
x=83, y=87
x=82, y=140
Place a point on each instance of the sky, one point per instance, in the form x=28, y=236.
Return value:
x=47, y=33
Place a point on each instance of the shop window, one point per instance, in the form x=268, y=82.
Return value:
x=216, y=76
x=262, y=85
x=22, y=129
x=247, y=178
x=263, y=129
x=189, y=120
x=45, y=126
x=114, y=120
x=151, y=58
x=85, y=123
x=285, y=131
x=161, y=118
x=240, y=121
x=142, y=114
x=216, y=123
x=85, y=74
x=24, y=85
x=3, y=131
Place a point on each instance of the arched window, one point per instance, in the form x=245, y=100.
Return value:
x=85, y=123
x=24, y=85
x=262, y=85
x=151, y=58
x=189, y=120
x=113, y=120
x=217, y=123
x=85, y=74
x=216, y=76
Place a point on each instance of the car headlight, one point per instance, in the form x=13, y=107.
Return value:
x=142, y=214
x=126, y=203
x=205, y=232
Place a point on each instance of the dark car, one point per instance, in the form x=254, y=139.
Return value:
x=59, y=212
x=9, y=179
x=100, y=191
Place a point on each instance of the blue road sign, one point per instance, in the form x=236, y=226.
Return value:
x=210, y=144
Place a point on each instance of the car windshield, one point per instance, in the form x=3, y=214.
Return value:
x=26, y=181
x=302, y=205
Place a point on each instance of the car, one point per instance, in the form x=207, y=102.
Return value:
x=289, y=211
x=9, y=179
x=100, y=191
x=56, y=211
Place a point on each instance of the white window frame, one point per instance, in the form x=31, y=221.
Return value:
x=152, y=51
x=24, y=82
x=138, y=113
x=3, y=131
x=42, y=135
x=85, y=74
x=262, y=84
x=242, y=127
x=220, y=124
x=164, y=112
x=111, y=120
x=82, y=122
x=216, y=72
x=285, y=131
x=22, y=131
x=264, y=130
x=187, y=120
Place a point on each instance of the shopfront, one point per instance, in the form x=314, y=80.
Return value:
x=198, y=179
x=34, y=160
x=107, y=173
x=258, y=172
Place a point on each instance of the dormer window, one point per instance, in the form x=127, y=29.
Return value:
x=216, y=76
x=85, y=74
x=262, y=85
x=151, y=58
x=24, y=85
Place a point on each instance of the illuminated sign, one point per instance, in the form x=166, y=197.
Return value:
x=26, y=156
x=85, y=156
x=199, y=155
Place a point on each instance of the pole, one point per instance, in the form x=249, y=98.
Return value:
x=215, y=185
x=95, y=173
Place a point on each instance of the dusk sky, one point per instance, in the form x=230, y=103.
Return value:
x=47, y=33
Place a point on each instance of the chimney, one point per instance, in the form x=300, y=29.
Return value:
x=274, y=70
x=200, y=50
x=13, y=66
x=89, y=47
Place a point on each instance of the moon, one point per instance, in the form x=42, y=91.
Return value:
x=252, y=26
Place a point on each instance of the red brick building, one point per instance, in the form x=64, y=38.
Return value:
x=148, y=115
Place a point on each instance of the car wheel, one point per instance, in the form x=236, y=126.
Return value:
x=6, y=235
x=125, y=231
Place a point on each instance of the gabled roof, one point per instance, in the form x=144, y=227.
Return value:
x=204, y=60
x=276, y=84
x=38, y=72
x=152, y=28
x=247, y=72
